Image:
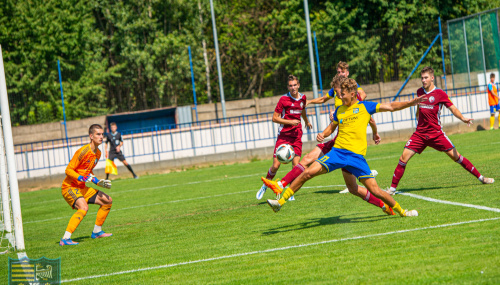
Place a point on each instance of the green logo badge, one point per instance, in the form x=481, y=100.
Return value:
x=34, y=271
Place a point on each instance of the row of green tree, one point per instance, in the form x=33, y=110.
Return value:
x=132, y=55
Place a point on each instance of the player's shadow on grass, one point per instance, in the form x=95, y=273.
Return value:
x=327, y=192
x=312, y=223
x=426, y=188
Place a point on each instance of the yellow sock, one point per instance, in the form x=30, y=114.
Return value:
x=492, y=121
x=398, y=209
x=75, y=220
x=286, y=195
x=102, y=213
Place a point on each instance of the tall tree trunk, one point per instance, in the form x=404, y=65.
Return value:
x=205, y=57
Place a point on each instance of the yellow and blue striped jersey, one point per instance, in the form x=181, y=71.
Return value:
x=352, y=122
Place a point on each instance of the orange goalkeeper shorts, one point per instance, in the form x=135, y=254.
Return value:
x=71, y=194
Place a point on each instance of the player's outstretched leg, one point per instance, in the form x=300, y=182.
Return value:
x=75, y=220
x=106, y=202
x=314, y=170
x=400, y=169
x=372, y=186
x=346, y=190
x=361, y=192
x=467, y=165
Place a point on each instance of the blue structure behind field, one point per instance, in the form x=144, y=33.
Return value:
x=167, y=140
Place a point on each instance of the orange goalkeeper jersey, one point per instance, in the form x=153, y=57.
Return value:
x=82, y=163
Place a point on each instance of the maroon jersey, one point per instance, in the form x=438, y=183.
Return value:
x=429, y=112
x=291, y=109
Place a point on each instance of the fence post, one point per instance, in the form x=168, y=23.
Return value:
x=157, y=142
x=244, y=131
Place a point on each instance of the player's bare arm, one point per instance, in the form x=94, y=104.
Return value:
x=306, y=120
x=319, y=100
x=277, y=119
x=396, y=106
x=376, y=136
x=327, y=132
x=362, y=94
x=454, y=110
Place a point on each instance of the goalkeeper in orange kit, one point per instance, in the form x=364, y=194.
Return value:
x=78, y=195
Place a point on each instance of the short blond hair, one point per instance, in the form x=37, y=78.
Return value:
x=337, y=80
x=349, y=85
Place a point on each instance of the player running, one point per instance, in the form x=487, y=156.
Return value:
x=78, y=195
x=493, y=101
x=429, y=131
x=323, y=148
x=350, y=146
x=115, y=140
x=287, y=113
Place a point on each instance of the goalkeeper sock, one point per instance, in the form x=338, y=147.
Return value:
x=129, y=169
x=67, y=235
x=294, y=173
x=75, y=220
x=398, y=209
x=102, y=213
x=286, y=195
x=492, y=121
x=97, y=229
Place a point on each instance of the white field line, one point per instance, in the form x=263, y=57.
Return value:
x=177, y=201
x=449, y=202
x=275, y=249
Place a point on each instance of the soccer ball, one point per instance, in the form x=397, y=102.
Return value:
x=285, y=153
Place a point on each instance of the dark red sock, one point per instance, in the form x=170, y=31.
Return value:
x=373, y=200
x=398, y=174
x=468, y=166
x=270, y=174
x=294, y=173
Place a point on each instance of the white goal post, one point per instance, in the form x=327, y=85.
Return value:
x=11, y=165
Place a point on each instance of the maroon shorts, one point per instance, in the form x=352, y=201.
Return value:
x=295, y=141
x=326, y=147
x=418, y=142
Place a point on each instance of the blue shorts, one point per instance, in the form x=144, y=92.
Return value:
x=348, y=160
x=494, y=108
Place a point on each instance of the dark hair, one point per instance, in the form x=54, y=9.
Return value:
x=349, y=85
x=337, y=80
x=427, y=69
x=112, y=124
x=292, y=78
x=492, y=75
x=343, y=65
x=94, y=127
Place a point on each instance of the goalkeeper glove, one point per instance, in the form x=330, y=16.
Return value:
x=91, y=178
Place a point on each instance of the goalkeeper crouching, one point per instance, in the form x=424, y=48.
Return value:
x=78, y=195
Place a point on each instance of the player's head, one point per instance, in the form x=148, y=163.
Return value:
x=427, y=77
x=293, y=84
x=113, y=127
x=96, y=133
x=492, y=77
x=349, y=88
x=336, y=81
x=343, y=68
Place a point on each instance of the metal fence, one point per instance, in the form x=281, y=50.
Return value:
x=236, y=134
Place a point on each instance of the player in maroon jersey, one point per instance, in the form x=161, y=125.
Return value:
x=429, y=130
x=289, y=109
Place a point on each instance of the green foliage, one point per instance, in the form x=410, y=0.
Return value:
x=132, y=55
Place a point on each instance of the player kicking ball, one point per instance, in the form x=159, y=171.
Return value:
x=323, y=148
x=78, y=195
x=429, y=131
x=350, y=146
x=287, y=113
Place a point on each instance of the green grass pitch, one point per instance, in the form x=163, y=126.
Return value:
x=205, y=226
